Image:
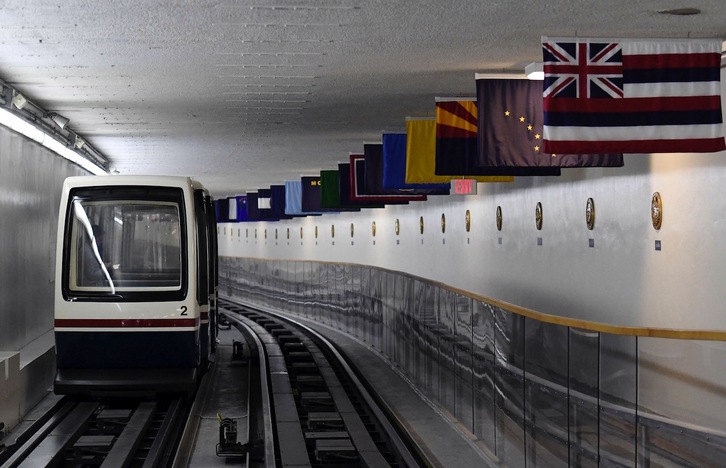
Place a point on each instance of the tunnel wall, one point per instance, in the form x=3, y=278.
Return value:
x=31, y=178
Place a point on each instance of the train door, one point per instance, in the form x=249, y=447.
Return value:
x=205, y=282
x=213, y=271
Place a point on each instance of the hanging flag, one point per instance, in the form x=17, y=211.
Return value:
x=632, y=95
x=344, y=190
x=373, y=179
x=358, y=192
x=253, y=210
x=241, y=208
x=456, y=132
x=510, y=130
x=277, y=202
x=311, y=194
x=263, y=204
x=330, y=191
x=221, y=209
x=421, y=156
x=293, y=198
x=374, y=172
x=394, y=168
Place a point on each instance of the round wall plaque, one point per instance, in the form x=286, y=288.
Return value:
x=443, y=223
x=590, y=214
x=468, y=220
x=397, y=226
x=421, y=224
x=656, y=210
x=499, y=218
x=538, y=216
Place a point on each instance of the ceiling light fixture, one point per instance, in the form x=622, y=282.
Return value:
x=534, y=71
x=18, y=100
x=58, y=119
x=79, y=142
x=20, y=125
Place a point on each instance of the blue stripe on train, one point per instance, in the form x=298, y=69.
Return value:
x=121, y=350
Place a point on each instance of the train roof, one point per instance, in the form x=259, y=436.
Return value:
x=145, y=180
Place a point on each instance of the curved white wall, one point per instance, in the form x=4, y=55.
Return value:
x=621, y=280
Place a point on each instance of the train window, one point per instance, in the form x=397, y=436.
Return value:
x=122, y=245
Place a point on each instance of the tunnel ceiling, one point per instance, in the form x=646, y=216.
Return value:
x=244, y=94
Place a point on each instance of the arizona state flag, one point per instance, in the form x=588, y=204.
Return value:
x=456, y=132
x=511, y=129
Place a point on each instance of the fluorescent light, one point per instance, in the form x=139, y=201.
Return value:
x=534, y=71
x=23, y=127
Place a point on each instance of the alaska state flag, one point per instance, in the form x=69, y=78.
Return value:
x=632, y=95
x=510, y=130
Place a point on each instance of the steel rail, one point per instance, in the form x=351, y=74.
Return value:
x=270, y=439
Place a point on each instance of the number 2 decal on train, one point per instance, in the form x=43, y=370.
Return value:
x=183, y=310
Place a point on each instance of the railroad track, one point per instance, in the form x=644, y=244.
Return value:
x=101, y=433
x=323, y=414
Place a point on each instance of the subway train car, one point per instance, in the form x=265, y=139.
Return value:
x=136, y=284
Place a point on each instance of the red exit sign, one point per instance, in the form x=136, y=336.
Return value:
x=463, y=187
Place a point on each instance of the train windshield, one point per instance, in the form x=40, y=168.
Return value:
x=120, y=244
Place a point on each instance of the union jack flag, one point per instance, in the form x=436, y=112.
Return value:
x=583, y=70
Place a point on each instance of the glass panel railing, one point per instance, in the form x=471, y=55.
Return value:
x=535, y=389
x=546, y=365
x=583, y=406
x=483, y=364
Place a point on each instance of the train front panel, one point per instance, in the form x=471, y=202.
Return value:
x=127, y=312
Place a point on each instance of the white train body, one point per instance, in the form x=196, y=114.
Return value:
x=135, y=284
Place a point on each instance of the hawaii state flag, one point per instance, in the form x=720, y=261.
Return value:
x=632, y=96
